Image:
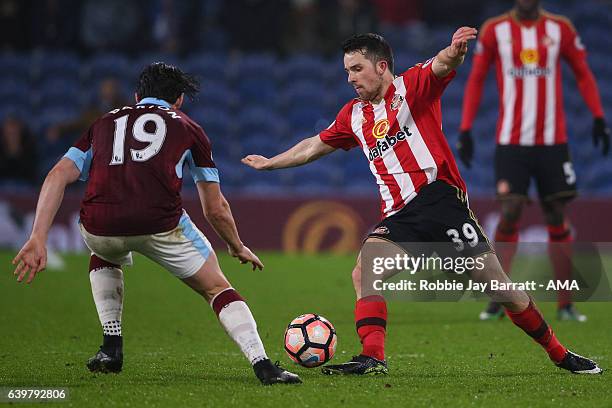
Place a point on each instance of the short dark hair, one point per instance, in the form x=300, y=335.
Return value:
x=167, y=82
x=373, y=46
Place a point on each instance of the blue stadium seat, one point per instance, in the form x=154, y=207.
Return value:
x=451, y=115
x=63, y=65
x=334, y=72
x=264, y=143
x=15, y=66
x=213, y=39
x=315, y=178
x=111, y=65
x=262, y=90
x=15, y=91
x=453, y=95
x=404, y=60
x=260, y=182
x=63, y=91
x=303, y=94
x=339, y=95
x=308, y=117
x=356, y=173
x=53, y=115
x=215, y=121
x=231, y=173
x=260, y=119
x=304, y=67
x=19, y=110
x=599, y=62
x=208, y=67
x=216, y=94
x=259, y=66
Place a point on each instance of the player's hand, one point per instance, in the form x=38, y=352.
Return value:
x=458, y=47
x=601, y=133
x=245, y=255
x=465, y=148
x=32, y=258
x=257, y=162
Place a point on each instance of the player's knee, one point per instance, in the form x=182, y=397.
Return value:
x=512, y=209
x=96, y=262
x=207, y=283
x=356, y=275
x=553, y=212
x=215, y=290
x=518, y=303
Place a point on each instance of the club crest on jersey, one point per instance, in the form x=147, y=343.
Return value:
x=547, y=41
x=529, y=56
x=382, y=230
x=396, y=101
x=382, y=145
x=380, y=128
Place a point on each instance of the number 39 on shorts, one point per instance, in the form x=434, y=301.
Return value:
x=468, y=232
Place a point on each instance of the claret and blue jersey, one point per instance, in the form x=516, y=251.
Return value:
x=132, y=159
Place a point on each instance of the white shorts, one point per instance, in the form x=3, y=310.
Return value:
x=182, y=250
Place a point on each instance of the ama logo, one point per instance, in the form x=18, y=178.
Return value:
x=385, y=142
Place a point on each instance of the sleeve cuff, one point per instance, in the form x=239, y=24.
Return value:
x=81, y=160
x=209, y=174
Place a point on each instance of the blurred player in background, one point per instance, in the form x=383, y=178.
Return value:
x=132, y=159
x=526, y=45
x=397, y=122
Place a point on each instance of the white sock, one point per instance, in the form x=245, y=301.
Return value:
x=237, y=320
x=107, y=290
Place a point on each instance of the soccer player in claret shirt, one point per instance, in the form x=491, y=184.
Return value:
x=526, y=46
x=132, y=159
x=396, y=122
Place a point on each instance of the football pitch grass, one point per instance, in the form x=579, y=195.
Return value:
x=176, y=353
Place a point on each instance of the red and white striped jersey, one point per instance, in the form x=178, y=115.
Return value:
x=401, y=136
x=527, y=60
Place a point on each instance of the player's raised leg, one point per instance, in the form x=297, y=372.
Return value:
x=107, y=289
x=523, y=312
x=237, y=320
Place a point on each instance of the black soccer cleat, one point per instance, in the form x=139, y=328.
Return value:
x=269, y=373
x=359, y=365
x=578, y=364
x=102, y=362
x=493, y=311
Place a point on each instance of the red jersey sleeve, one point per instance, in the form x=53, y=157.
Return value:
x=574, y=52
x=200, y=160
x=422, y=83
x=340, y=133
x=484, y=55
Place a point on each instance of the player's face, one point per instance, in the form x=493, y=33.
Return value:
x=363, y=75
x=527, y=6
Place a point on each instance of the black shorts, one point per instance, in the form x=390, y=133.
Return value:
x=437, y=218
x=550, y=166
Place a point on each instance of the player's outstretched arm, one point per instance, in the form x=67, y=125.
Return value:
x=452, y=56
x=32, y=257
x=304, y=152
x=218, y=213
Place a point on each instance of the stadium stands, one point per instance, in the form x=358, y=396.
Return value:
x=262, y=103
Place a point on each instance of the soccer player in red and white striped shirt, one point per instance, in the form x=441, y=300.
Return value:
x=526, y=46
x=396, y=121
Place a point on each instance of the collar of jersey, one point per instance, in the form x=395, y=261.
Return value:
x=154, y=101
